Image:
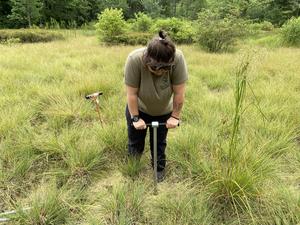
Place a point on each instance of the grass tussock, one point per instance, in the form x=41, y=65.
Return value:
x=47, y=206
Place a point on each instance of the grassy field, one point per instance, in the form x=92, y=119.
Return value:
x=59, y=160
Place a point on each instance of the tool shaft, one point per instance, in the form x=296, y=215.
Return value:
x=155, y=158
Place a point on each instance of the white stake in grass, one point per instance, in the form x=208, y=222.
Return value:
x=7, y=213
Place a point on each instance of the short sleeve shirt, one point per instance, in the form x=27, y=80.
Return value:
x=155, y=93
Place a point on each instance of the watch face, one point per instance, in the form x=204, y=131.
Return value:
x=135, y=118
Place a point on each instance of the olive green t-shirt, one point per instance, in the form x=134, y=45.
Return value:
x=155, y=94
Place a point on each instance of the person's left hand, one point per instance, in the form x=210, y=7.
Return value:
x=172, y=123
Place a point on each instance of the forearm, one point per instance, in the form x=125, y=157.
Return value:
x=178, y=100
x=132, y=101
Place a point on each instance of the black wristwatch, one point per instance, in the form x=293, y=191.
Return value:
x=135, y=118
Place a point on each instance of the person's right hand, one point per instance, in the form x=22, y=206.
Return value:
x=140, y=124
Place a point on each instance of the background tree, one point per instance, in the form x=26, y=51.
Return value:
x=152, y=8
x=66, y=12
x=79, y=10
x=116, y=4
x=167, y=10
x=5, y=9
x=190, y=8
x=25, y=11
x=279, y=11
x=94, y=9
x=134, y=6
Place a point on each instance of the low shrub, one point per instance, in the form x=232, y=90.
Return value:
x=142, y=22
x=131, y=38
x=256, y=28
x=218, y=34
x=290, y=32
x=111, y=26
x=11, y=41
x=266, y=26
x=180, y=31
x=29, y=36
x=136, y=38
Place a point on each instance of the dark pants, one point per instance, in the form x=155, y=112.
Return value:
x=136, y=138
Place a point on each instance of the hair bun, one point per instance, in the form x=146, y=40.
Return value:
x=162, y=34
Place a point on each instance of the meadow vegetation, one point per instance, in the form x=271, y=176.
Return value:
x=212, y=31
x=234, y=160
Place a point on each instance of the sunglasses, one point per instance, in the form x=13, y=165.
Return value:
x=161, y=67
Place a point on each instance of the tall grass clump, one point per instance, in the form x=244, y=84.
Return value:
x=83, y=156
x=281, y=206
x=181, y=205
x=290, y=32
x=239, y=94
x=234, y=171
x=132, y=167
x=47, y=206
x=21, y=162
x=187, y=153
x=235, y=185
x=125, y=205
x=114, y=138
x=63, y=109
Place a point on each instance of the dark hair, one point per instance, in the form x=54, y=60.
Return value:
x=160, y=49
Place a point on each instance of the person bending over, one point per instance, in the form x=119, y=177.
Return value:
x=155, y=79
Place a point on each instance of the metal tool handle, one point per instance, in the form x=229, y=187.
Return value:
x=155, y=126
x=159, y=124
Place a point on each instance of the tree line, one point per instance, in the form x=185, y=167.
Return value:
x=75, y=13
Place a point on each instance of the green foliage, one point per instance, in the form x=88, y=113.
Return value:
x=111, y=25
x=10, y=41
x=25, y=10
x=78, y=12
x=5, y=10
x=181, y=31
x=189, y=9
x=113, y=29
x=29, y=36
x=134, y=6
x=53, y=24
x=275, y=11
x=278, y=11
x=290, y=32
x=263, y=26
x=111, y=4
x=134, y=38
x=142, y=22
x=153, y=8
x=217, y=34
x=271, y=41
